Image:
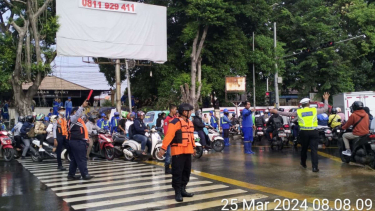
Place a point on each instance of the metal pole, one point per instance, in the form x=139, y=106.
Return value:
x=276, y=71
x=118, y=86
x=128, y=83
x=267, y=83
x=254, y=72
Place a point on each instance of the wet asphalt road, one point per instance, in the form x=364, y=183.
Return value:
x=271, y=174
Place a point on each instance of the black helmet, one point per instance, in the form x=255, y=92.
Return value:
x=357, y=105
x=334, y=111
x=21, y=119
x=92, y=118
x=184, y=107
x=30, y=118
x=281, y=109
x=257, y=112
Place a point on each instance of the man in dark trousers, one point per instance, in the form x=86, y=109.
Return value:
x=308, y=122
x=78, y=139
x=180, y=136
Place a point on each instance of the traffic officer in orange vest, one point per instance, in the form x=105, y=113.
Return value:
x=60, y=135
x=78, y=139
x=180, y=136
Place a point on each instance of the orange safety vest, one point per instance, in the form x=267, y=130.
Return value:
x=62, y=127
x=78, y=131
x=180, y=136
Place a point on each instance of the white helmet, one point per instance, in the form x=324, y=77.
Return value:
x=53, y=118
x=338, y=109
x=305, y=101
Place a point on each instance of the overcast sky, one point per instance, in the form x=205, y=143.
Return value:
x=75, y=70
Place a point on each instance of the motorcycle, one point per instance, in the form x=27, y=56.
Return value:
x=279, y=140
x=259, y=133
x=294, y=137
x=325, y=135
x=288, y=133
x=132, y=149
x=363, y=150
x=215, y=140
x=103, y=147
x=6, y=146
x=118, y=140
x=37, y=156
x=198, y=146
x=336, y=133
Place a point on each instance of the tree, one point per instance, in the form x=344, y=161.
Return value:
x=32, y=26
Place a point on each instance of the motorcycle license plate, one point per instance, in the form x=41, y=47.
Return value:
x=282, y=135
x=328, y=135
x=287, y=131
x=260, y=133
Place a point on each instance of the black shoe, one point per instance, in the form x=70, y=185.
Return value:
x=23, y=158
x=178, y=196
x=303, y=165
x=70, y=177
x=186, y=194
x=315, y=170
x=87, y=177
x=168, y=170
x=61, y=168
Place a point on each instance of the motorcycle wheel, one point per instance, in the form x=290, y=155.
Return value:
x=118, y=152
x=36, y=157
x=272, y=146
x=199, y=152
x=129, y=158
x=218, y=145
x=109, y=153
x=326, y=142
x=344, y=158
x=281, y=146
x=8, y=154
x=155, y=155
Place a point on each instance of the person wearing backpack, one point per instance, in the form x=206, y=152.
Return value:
x=361, y=124
x=275, y=122
x=27, y=132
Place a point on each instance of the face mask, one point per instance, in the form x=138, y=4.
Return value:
x=62, y=113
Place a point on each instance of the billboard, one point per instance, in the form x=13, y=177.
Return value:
x=235, y=84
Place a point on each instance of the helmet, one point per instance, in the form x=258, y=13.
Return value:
x=141, y=113
x=92, y=118
x=21, y=119
x=257, y=112
x=184, y=107
x=267, y=111
x=334, y=111
x=130, y=115
x=103, y=115
x=226, y=110
x=198, y=113
x=124, y=114
x=117, y=114
x=34, y=114
x=30, y=118
x=281, y=109
x=338, y=109
x=305, y=101
x=357, y=105
x=40, y=117
x=46, y=119
x=53, y=118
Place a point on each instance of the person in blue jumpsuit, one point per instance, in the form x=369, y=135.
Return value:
x=114, y=122
x=103, y=123
x=225, y=124
x=55, y=107
x=68, y=107
x=213, y=122
x=247, y=128
x=5, y=111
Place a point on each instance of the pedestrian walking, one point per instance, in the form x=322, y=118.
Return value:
x=180, y=136
x=308, y=122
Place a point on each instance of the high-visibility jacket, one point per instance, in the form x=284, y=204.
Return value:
x=307, y=118
x=62, y=128
x=213, y=122
x=180, y=136
x=78, y=130
x=224, y=122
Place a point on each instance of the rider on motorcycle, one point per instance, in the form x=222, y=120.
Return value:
x=139, y=132
x=198, y=127
x=129, y=122
x=17, y=131
x=115, y=121
x=92, y=130
x=40, y=130
x=259, y=120
x=334, y=119
x=275, y=122
x=26, y=127
x=360, y=121
x=323, y=119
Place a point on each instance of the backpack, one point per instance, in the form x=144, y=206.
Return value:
x=277, y=123
x=131, y=131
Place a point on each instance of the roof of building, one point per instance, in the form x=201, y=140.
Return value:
x=56, y=83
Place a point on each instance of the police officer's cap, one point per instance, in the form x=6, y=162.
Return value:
x=61, y=108
x=184, y=107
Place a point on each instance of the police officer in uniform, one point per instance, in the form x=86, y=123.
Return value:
x=60, y=135
x=78, y=139
x=308, y=122
x=180, y=136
